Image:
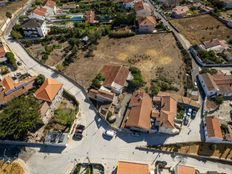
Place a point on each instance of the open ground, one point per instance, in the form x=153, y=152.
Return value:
x=147, y=52
x=201, y=28
x=12, y=7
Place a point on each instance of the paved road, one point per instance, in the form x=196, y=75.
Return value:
x=95, y=147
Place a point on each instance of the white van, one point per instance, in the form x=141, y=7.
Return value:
x=110, y=133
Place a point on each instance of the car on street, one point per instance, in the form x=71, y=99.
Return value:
x=189, y=113
x=194, y=113
x=78, y=134
x=186, y=121
x=109, y=133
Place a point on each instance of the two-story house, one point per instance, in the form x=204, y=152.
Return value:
x=34, y=28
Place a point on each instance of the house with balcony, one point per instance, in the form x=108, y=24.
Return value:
x=34, y=28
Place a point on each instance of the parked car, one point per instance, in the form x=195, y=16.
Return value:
x=161, y=164
x=189, y=111
x=78, y=132
x=194, y=113
x=186, y=121
x=110, y=133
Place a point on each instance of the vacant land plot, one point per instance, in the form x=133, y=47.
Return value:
x=147, y=52
x=226, y=14
x=12, y=7
x=10, y=168
x=201, y=28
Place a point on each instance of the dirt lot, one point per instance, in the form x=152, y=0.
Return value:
x=147, y=52
x=11, y=168
x=201, y=28
x=12, y=7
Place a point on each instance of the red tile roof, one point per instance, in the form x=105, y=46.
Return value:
x=114, y=73
x=132, y=168
x=181, y=169
x=139, y=111
x=2, y=52
x=40, y=11
x=149, y=20
x=48, y=90
x=213, y=126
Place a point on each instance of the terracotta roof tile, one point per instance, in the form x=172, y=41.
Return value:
x=213, y=126
x=50, y=4
x=114, y=73
x=181, y=169
x=48, y=90
x=2, y=52
x=40, y=11
x=139, y=5
x=149, y=20
x=132, y=168
x=139, y=111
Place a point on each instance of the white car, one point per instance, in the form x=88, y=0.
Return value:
x=110, y=133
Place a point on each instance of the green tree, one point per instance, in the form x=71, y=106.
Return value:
x=8, y=14
x=11, y=59
x=39, y=80
x=16, y=35
x=218, y=100
x=18, y=117
x=96, y=83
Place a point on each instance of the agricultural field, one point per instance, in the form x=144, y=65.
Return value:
x=152, y=54
x=201, y=28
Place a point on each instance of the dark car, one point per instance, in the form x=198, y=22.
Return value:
x=78, y=132
x=186, y=121
x=161, y=164
x=194, y=113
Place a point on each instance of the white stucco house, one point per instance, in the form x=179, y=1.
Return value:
x=34, y=28
x=51, y=7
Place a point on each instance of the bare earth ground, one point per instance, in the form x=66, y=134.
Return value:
x=10, y=168
x=12, y=7
x=147, y=52
x=201, y=28
x=55, y=56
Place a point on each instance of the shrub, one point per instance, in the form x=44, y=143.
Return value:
x=218, y=100
x=137, y=81
x=121, y=34
x=11, y=59
x=16, y=35
x=96, y=83
x=8, y=14
x=39, y=80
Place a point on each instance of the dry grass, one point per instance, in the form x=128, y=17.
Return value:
x=147, y=52
x=201, y=28
x=12, y=7
x=11, y=168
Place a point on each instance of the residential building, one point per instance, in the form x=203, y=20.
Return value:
x=180, y=11
x=216, y=84
x=102, y=96
x=138, y=114
x=129, y=4
x=142, y=9
x=38, y=13
x=132, y=168
x=215, y=45
x=166, y=114
x=50, y=94
x=116, y=77
x=10, y=89
x=213, y=131
x=182, y=169
x=51, y=7
x=2, y=53
x=34, y=28
x=147, y=24
x=90, y=17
